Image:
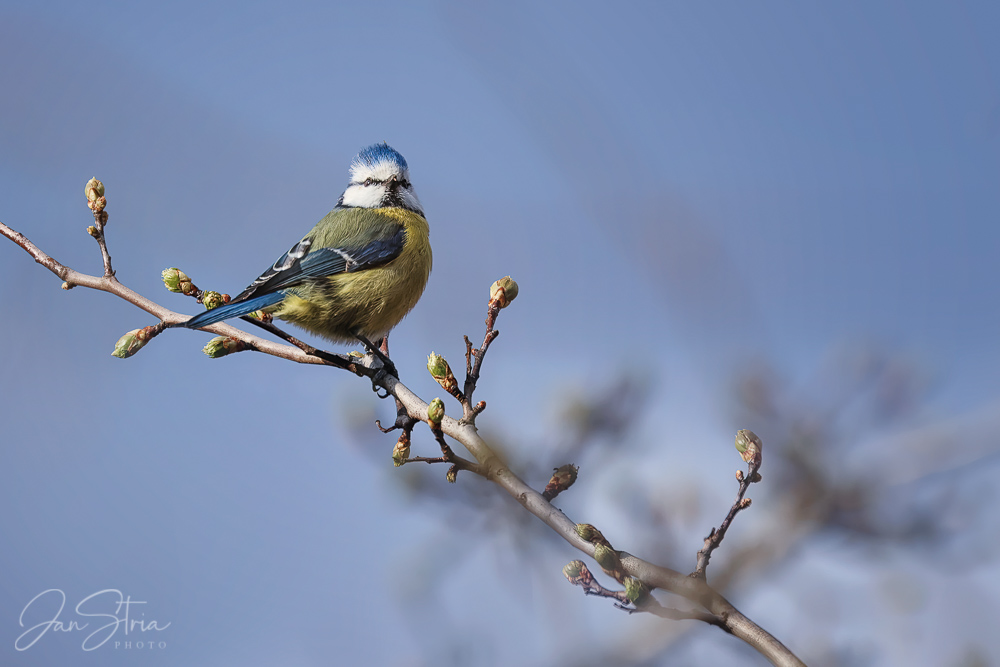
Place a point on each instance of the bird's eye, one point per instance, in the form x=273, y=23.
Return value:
x=368, y=181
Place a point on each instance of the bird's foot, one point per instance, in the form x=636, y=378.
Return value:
x=372, y=349
x=388, y=367
x=378, y=383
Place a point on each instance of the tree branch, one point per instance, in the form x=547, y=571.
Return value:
x=488, y=464
x=111, y=285
x=691, y=588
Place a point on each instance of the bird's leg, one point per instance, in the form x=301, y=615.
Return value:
x=332, y=359
x=373, y=349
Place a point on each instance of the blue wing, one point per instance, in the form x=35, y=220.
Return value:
x=297, y=266
x=231, y=309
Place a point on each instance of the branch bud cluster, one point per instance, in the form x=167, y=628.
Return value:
x=220, y=346
x=610, y=561
x=604, y=553
x=750, y=447
x=439, y=369
x=176, y=280
x=133, y=341
x=503, y=291
x=577, y=573
x=94, y=190
x=401, y=451
x=635, y=590
x=213, y=299
x=588, y=533
x=435, y=412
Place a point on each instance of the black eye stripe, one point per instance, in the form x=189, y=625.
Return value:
x=373, y=181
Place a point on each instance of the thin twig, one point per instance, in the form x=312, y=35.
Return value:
x=448, y=455
x=100, y=220
x=473, y=368
x=714, y=538
x=403, y=420
x=591, y=586
x=580, y=575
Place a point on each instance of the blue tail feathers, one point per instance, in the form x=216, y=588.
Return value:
x=231, y=310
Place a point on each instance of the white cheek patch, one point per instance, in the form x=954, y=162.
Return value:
x=362, y=196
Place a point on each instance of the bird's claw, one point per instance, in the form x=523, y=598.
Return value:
x=378, y=380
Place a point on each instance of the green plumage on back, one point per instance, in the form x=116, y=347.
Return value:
x=369, y=301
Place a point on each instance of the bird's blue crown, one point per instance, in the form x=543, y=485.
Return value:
x=377, y=153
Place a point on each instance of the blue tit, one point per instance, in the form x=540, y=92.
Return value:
x=359, y=271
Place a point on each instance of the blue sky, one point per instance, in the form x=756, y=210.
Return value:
x=679, y=188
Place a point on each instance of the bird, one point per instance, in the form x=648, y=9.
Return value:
x=359, y=271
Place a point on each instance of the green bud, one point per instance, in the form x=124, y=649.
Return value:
x=590, y=534
x=503, y=291
x=220, y=346
x=609, y=560
x=438, y=366
x=635, y=590
x=176, y=280
x=605, y=556
x=442, y=374
x=131, y=342
x=93, y=189
x=212, y=299
x=452, y=474
x=93, y=231
x=749, y=446
x=435, y=411
x=578, y=574
x=401, y=451
x=573, y=569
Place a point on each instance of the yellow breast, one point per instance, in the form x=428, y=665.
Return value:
x=370, y=301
